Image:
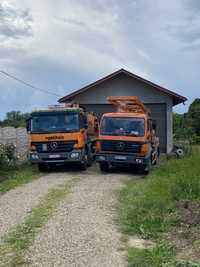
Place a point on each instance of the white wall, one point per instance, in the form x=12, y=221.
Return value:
x=18, y=137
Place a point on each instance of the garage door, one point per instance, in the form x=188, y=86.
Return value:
x=158, y=112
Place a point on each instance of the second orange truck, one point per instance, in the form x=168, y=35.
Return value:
x=127, y=136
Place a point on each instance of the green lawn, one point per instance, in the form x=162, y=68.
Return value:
x=12, y=178
x=149, y=208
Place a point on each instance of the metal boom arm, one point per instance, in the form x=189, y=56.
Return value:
x=128, y=104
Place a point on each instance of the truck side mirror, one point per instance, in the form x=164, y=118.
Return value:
x=154, y=124
x=28, y=125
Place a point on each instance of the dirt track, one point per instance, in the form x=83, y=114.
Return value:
x=82, y=231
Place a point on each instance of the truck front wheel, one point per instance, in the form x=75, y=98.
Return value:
x=145, y=169
x=104, y=166
x=84, y=162
x=42, y=167
x=89, y=156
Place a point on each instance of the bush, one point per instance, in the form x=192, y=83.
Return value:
x=196, y=139
x=7, y=156
x=186, y=145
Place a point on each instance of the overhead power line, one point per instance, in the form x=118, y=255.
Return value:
x=28, y=84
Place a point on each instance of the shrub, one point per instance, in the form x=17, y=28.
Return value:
x=7, y=156
x=196, y=139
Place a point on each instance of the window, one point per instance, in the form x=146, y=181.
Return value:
x=122, y=126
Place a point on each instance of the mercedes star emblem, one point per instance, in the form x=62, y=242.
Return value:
x=54, y=145
x=121, y=145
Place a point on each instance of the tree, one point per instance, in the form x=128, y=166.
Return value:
x=187, y=125
x=15, y=119
x=182, y=127
x=194, y=115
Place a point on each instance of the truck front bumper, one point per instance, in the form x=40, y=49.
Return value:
x=60, y=157
x=122, y=158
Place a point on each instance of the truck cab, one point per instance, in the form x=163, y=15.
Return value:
x=127, y=136
x=60, y=135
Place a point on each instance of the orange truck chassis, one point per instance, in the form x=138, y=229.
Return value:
x=127, y=136
x=62, y=134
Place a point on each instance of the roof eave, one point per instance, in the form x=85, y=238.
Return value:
x=177, y=99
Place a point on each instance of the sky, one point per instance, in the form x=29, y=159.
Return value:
x=63, y=45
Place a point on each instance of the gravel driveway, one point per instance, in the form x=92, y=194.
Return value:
x=17, y=203
x=82, y=231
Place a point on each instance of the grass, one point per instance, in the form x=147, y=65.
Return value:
x=158, y=256
x=15, y=244
x=12, y=178
x=162, y=255
x=149, y=208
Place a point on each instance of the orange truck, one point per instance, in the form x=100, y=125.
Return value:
x=62, y=134
x=127, y=136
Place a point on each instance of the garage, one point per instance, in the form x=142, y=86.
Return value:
x=122, y=82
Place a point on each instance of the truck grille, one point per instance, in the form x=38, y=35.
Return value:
x=121, y=146
x=54, y=146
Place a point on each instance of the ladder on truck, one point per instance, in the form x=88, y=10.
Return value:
x=128, y=104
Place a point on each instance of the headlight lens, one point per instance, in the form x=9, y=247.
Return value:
x=139, y=161
x=74, y=155
x=102, y=158
x=34, y=156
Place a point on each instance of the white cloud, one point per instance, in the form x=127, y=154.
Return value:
x=63, y=44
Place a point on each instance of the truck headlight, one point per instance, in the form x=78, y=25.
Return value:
x=139, y=161
x=34, y=156
x=74, y=155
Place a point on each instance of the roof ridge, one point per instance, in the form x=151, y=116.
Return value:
x=177, y=98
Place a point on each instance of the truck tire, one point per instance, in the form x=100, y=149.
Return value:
x=42, y=167
x=104, y=166
x=89, y=156
x=83, y=166
x=84, y=163
x=145, y=169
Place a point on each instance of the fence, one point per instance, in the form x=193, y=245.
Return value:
x=18, y=137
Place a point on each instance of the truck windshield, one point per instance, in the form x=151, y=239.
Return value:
x=122, y=126
x=55, y=123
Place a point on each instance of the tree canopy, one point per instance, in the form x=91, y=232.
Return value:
x=194, y=115
x=187, y=125
x=15, y=119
